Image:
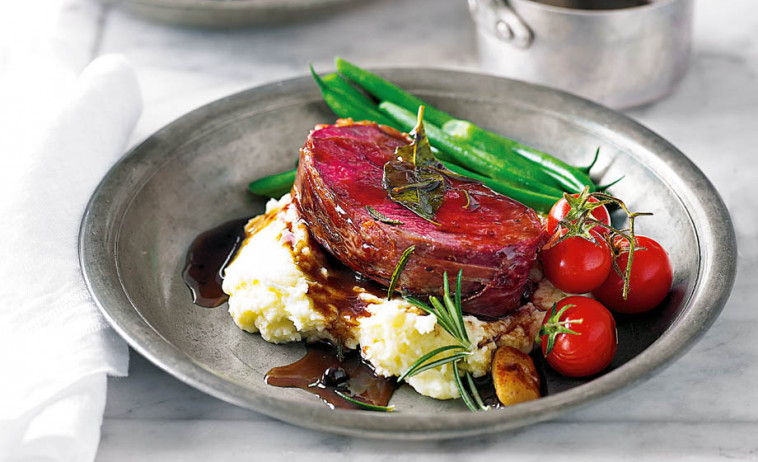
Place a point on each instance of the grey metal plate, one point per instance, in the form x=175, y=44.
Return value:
x=230, y=13
x=192, y=175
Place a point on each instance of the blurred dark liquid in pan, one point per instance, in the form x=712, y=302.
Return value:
x=595, y=4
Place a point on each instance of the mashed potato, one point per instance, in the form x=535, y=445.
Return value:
x=396, y=335
x=268, y=293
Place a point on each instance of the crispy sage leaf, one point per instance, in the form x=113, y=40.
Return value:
x=412, y=179
x=378, y=216
x=419, y=152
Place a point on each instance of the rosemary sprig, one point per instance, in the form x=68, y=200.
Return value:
x=367, y=406
x=399, y=269
x=449, y=314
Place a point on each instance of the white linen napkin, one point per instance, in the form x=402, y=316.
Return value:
x=55, y=347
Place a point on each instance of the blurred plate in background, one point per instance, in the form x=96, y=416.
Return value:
x=229, y=13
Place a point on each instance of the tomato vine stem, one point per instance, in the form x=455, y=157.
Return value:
x=555, y=326
x=578, y=222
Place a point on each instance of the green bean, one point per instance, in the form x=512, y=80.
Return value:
x=460, y=130
x=384, y=90
x=538, y=201
x=572, y=179
x=553, y=171
x=336, y=82
x=468, y=156
x=274, y=185
x=442, y=156
x=345, y=105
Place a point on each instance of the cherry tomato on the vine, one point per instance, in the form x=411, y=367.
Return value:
x=649, y=281
x=576, y=265
x=561, y=208
x=584, y=337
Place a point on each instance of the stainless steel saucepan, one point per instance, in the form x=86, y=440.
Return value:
x=631, y=54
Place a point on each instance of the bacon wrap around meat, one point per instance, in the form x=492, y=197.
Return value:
x=493, y=239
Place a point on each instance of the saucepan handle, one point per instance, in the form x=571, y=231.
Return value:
x=498, y=18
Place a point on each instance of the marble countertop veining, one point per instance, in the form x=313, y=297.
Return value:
x=703, y=407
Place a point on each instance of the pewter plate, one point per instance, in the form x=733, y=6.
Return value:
x=192, y=175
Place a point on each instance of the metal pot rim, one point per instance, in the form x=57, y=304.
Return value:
x=656, y=4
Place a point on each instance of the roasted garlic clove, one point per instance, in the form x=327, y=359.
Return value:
x=515, y=377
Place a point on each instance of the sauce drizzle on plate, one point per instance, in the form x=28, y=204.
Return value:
x=207, y=257
x=321, y=372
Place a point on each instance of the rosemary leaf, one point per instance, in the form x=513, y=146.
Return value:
x=462, y=389
x=443, y=322
x=456, y=310
x=460, y=328
x=419, y=304
x=475, y=393
x=420, y=362
x=458, y=282
x=439, y=362
x=399, y=269
x=378, y=216
x=459, y=318
x=450, y=306
x=368, y=406
x=448, y=319
x=441, y=319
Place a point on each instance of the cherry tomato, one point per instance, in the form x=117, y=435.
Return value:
x=649, y=282
x=561, y=208
x=587, y=351
x=576, y=265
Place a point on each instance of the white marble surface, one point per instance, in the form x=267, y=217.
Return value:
x=703, y=407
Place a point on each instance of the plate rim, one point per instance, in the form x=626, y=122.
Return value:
x=235, y=14
x=718, y=275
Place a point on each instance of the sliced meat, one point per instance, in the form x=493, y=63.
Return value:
x=493, y=239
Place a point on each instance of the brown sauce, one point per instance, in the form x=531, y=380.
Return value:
x=335, y=293
x=334, y=288
x=321, y=372
x=207, y=257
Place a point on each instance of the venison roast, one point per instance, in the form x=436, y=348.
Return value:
x=492, y=238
